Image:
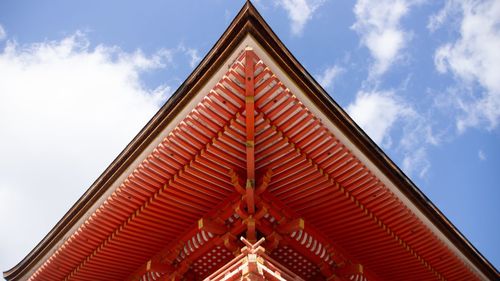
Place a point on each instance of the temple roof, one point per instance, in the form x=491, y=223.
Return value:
x=251, y=145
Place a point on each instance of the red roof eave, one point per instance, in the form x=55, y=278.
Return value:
x=248, y=21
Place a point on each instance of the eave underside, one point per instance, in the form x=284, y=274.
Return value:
x=139, y=216
x=201, y=167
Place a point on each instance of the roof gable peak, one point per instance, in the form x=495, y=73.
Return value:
x=247, y=23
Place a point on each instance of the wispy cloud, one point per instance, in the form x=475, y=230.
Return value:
x=194, y=57
x=481, y=155
x=474, y=60
x=327, y=78
x=417, y=161
x=66, y=110
x=382, y=114
x=3, y=33
x=192, y=54
x=300, y=12
x=438, y=19
x=378, y=24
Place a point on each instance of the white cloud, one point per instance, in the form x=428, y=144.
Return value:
x=376, y=112
x=3, y=33
x=378, y=24
x=194, y=57
x=66, y=111
x=417, y=137
x=329, y=75
x=474, y=59
x=300, y=12
x=191, y=53
x=417, y=161
x=438, y=19
x=381, y=114
x=389, y=120
x=481, y=155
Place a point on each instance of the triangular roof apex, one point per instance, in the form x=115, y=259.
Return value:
x=247, y=22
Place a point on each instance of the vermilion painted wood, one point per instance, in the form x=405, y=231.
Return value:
x=314, y=176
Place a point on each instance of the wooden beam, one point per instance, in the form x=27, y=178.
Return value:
x=211, y=226
x=230, y=243
x=250, y=129
x=212, y=223
x=265, y=182
x=151, y=266
x=289, y=227
x=251, y=229
x=349, y=270
x=235, y=180
x=183, y=266
x=302, y=237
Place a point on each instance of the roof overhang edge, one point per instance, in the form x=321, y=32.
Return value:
x=248, y=21
x=102, y=186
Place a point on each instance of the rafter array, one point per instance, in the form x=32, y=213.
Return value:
x=250, y=160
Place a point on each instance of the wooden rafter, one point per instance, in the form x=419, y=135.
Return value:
x=255, y=202
x=211, y=229
x=124, y=228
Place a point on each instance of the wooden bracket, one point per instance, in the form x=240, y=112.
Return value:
x=291, y=226
x=211, y=226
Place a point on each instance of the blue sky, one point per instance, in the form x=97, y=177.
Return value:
x=79, y=79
